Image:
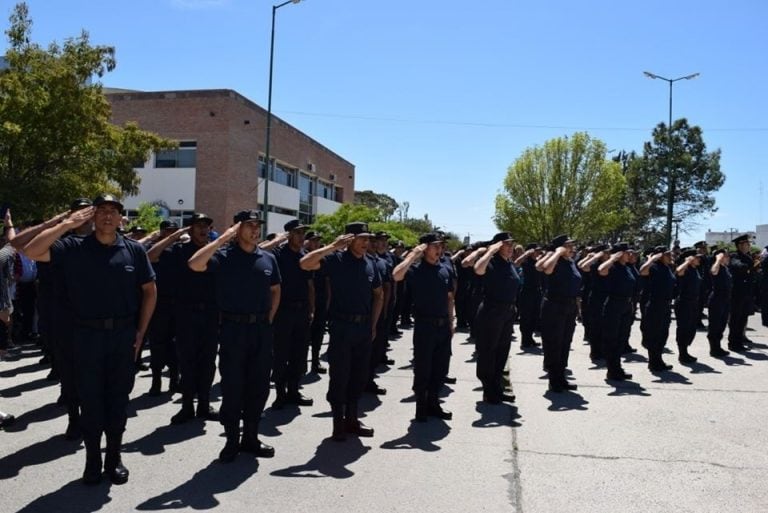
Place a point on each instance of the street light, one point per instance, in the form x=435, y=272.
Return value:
x=670, y=171
x=269, y=110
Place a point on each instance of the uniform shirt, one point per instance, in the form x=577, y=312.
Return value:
x=166, y=275
x=101, y=281
x=722, y=283
x=621, y=281
x=531, y=277
x=661, y=282
x=565, y=280
x=689, y=284
x=191, y=288
x=295, y=285
x=352, y=282
x=600, y=286
x=741, y=271
x=501, y=281
x=244, y=280
x=430, y=285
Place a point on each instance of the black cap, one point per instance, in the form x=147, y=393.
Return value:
x=137, y=229
x=294, y=224
x=80, y=203
x=199, y=217
x=686, y=252
x=619, y=246
x=245, y=216
x=700, y=244
x=532, y=245
x=502, y=237
x=430, y=238
x=381, y=235
x=660, y=249
x=720, y=250
x=561, y=240
x=357, y=228
x=108, y=198
x=740, y=239
x=168, y=224
x=312, y=235
x=600, y=248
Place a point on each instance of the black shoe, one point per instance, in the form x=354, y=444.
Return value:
x=658, y=366
x=355, y=427
x=317, y=368
x=339, y=430
x=629, y=349
x=229, y=452
x=737, y=348
x=449, y=380
x=435, y=410
x=298, y=399
x=186, y=414
x=73, y=429
x=529, y=343
x=618, y=375
x=507, y=398
x=718, y=352
x=686, y=358
x=207, y=412
x=557, y=388
x=118, y=475
x=388, y=361
x=491, y=399
x=257, y=447
x=174, y=387
x=154, y=390
x=373, y=388
x=92, y=476
x=280, y=401
x=574, y=386
x=6, y=419
x=113, y=465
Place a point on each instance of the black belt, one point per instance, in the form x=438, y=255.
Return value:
x=255, y=318
x=433, y=321
x=113, y=323
x=359, y=319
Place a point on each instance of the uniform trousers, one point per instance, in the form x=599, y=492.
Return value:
x=291, y=341
x=718, y=309
x=317, y=328
x=162, y=331
x=657, y=316
x=529, y=304
x=595, y=314
x=686, y=316
x=197, y=339
x=349, y=356
x=741, y=307
x=558, y=321
x=617, y=317
x=431, y=354
x=493, y=336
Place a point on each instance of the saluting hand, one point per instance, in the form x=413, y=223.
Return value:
x=78, y=218
x=419, y=250
x=496, y=246
x=229, y=233
x=342, y=241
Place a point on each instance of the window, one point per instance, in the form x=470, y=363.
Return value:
x=326, y=190
x=184, y=156
x=279, y=173
x=306, y=191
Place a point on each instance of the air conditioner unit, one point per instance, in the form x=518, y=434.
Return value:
x=311, y=167
x=332, y=177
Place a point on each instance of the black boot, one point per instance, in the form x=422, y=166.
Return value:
x=684, y=356
x=73, y=424
x=281, y=398
x=173, y=384
x=232, y=447
x=186, y=413
x=317, y=368
x=250, y=442
x=205, y=410
x=352, y=422
x=339, y=431
x=434, y=409
x=154, y=390
x=113, y=465
x=92, y=472
x=715, y=350
x=421, y=407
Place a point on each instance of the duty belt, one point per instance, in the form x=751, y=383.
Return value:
x=113, y=323
x=254, y=318
x=359, y=319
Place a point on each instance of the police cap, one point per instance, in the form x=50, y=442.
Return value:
x=168, y=224
x=80, y=203
x=561, y=240
x=430, y=238
x=740, y=239
x=245, y=216
x=199, y=217
x=357, y=228
x=502, y=237
x=294, y=224
x=108, y=199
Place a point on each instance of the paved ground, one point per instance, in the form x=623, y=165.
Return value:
x=692, y=439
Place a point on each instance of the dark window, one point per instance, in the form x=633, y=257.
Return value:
x=184, y=156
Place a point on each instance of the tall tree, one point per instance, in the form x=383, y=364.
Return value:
x=382, y=202
x=565, y=186
x=681, y=173
x=56, y=141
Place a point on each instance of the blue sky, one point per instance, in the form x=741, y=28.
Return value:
x=433, y=100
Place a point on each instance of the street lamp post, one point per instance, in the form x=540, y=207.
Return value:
x=670, y=170
x=269, y=111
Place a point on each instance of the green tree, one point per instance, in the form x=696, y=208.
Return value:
x=56, y=141
x=565, y=186
x=382, y=202
x=331, y=226
x=680, y=175
x=148, y=217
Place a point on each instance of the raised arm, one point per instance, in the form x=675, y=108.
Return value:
x=402, y=268
x=311, y=261
x=163, y=244
x=199, y=261
x=482, y=263
x=548, y=262
x=645, y=269
x=39, y=248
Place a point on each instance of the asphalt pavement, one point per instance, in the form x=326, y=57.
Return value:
x=691, y=439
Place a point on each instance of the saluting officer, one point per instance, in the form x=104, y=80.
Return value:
x=356, y=303
x=432, y=286
x=196, y=317
x=531, y=293
x=377, y=251
x=706, y=261
x=320, y=318
x=558, y=309
x=496, y=315
x=689, y=284
x=742, y=294
x=719, y=304
x=657, y=311
x=617, y=308
x=110, y=287
x=248, y=294
x=598, y=292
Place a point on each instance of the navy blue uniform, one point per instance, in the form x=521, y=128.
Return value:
x=558, y=317
x=689, y=287
x=352, y=281
x=380, y=341
x=291, y=322
x=657, y=313
x=617, y=313
x=742, y=297
x=243, y=294
x=162, y=327
x=719, y=306
x=598, y=293
x=320, y=319
x=103, y=287
x=530, y=302
x=430, y=287
x=494, y=324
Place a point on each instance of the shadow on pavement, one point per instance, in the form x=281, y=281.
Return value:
x=36, y=454
x=73, y=497
x=145, y=402
x=420, y=435
x=273, y=419
x=626, y=388
x=635, y=357
x=531, y=350
x=752, y=355
x=671, y=377
x=25, y=369
x=496, y=415
x=566, y=401
x=41, y=414
x=29, y=386
x=701, y=368
x=156, y=441
x=201, y=490
x=733, y=360
x=330, y=460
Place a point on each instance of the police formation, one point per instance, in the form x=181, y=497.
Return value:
x=262, y=306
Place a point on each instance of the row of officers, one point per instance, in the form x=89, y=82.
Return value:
x=261, y=304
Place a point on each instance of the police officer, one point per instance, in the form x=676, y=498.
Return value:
x=657, y=309
x=598, y=292
x=495, y=317
x=706, y=261
x=111, y=289
x=558, y=309
x=742, y=294
x=432, y=286
x=196, y=317
x=617, y=308
x=377, y=251
x=247, y=294
x=689, y=284
x=356, y=303
x=531, y=293
x=313, y=241
x=293, y=318
x=719, y=303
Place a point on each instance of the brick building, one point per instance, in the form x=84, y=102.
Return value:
x=219, y=165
